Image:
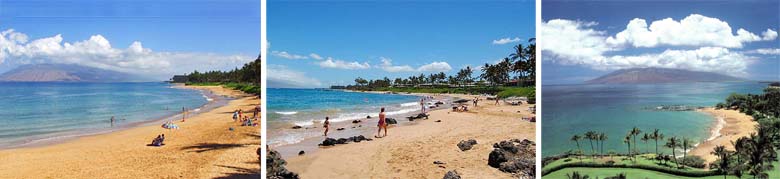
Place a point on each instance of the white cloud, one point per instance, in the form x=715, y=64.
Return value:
x=287, y=78
x=765, y=51
x=387, y=65
x=339, y=64
x=315, y=56
x=577, y=43
x=694, y=30
x=435, y=67
x=507, y=40
x=286, y=55
x=769, y=34
x=97, y=51
x=572, y=40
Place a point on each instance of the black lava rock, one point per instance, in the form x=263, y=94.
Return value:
x=452, y=175
x=465, y=145
x=391, y=121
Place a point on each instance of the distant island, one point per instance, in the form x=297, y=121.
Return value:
x=659, y=75
x=65, y=73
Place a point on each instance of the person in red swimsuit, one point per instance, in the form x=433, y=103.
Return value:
x=382, y=123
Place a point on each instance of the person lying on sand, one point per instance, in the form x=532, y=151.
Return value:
x=326, y=125
x=382, y=124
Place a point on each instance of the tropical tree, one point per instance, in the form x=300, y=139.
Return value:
x=657, y=136
x=591, y=136
x=576, y=139
x=635, y=132
x=686, y=144
x=602, y=137
x=627, y=141
x=723, y=158
x=644, y=139
x=673, y=143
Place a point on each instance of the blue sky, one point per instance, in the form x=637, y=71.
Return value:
x=352, y=39
x=173, y=36
x=587, y=39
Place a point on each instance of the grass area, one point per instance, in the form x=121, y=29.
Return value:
x=643, y=162
x=502, y=92
x=245, y=87
x=630, y=173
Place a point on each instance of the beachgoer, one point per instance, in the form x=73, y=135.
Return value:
x=240, y=114
x=382, y=123
x=422, y=105
x=326, y=125
x=475, y=101
x=496, y=100
x=112, y=121
x=183, y=114
x=235, y=115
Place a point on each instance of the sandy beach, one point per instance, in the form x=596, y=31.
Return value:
x=729, y=126
x=203, y=147
x=410, y=150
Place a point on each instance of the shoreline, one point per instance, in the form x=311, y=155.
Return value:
x=728, y=126
x=203, y=147
x=212, y=101
x=418, y=144
x=350, y=129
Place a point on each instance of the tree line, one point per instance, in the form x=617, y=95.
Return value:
x=519, y=65
x=249, y=73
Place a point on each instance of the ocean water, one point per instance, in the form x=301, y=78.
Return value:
x=308, y=108
x=616, y=109
x=31, y=111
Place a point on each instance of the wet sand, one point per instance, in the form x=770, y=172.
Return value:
x=203, y=147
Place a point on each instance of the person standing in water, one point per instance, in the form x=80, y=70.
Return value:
x=112, y=121
x=326, y=125
x=382, y=124
x=183, y=114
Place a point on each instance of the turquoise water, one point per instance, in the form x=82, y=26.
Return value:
x=34, y=110
x=308, y=107
x=616, y=109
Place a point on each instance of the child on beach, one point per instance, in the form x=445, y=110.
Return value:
x=235, y=115
x=382, y=124
x=326, y=125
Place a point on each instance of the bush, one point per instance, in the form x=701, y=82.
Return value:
x=693, y=161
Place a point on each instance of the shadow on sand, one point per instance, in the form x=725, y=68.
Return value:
x=240, y=173
x=205, y=147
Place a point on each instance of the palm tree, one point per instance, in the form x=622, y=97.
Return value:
x=591, y=135
x=723, y=155
x=627, y=140
x=673, y=143
x=635, y=132
x=576, y=139
x=645, y=138
x=602, y=137
x=657, y=136
x=686, y=144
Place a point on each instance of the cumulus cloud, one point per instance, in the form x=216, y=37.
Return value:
x=16, y=48
x=340, y=64
x=435, y=67
x=283, y=54
x=693, y=30
x=287, y=78
x=387, y=65
x=507, y=40
x=573, y=42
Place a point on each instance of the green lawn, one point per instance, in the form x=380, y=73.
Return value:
x=630, y=173
x=645, y=159
x=245, y=87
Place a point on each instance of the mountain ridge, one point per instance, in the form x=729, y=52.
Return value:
x=65, y=73
x=659, y=75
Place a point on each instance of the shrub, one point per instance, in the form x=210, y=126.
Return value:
x=693, y=161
